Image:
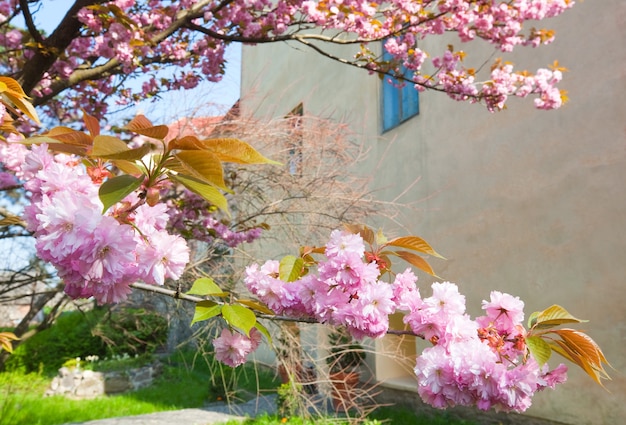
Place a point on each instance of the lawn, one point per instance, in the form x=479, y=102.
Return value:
x=184, y=383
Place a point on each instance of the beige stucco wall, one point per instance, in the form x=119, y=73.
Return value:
x=523, y=201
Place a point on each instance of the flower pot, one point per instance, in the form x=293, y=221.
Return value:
x=343, y=389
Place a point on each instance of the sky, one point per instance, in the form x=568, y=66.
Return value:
x=206, y=99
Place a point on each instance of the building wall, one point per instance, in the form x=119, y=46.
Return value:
x=522, y=201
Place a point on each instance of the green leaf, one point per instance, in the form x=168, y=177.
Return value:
x=380, y=238
x=415, y=243
x=290, y=268
x=206, y=310
x=532, y=319
x=207, y=191
x=554, y=315
x=264, y=331
x=239, y=317
x=539, y=349
x=203, y=165
x=117, y=188
x=107, y=145
x=38, y=140
x=128, y=155
x=235, y=150
x=128, y=167
x=205, y=286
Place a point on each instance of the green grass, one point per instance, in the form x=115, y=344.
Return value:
x=185, y=382
x=396, y=415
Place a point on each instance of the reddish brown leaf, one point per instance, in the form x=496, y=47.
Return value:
x=306, y=250
x=142, y=125
x=186, y=143
x=140, y=122
x=415, y=260
x=92, y=124
x=415, y=243
x=70, y=136
x=584, y=344
x=366, y=233
x=580, y=349
x=69, y=149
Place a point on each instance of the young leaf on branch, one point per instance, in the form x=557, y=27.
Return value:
x=291, y=268
x=117, y=188
x=142, y=125
x=206, y=310
x=206, y=286
x=239, y=317
x=575, y=345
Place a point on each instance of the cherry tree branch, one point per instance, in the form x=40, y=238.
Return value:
x=46, y=54
x=193, y=299
x=28, y=20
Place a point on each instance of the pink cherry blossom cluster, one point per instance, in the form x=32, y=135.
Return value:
x=96, y=255
x=482, y=362
x=145, y=37
x=346, y=291
x=233, y=348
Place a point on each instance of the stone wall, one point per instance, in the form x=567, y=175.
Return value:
x=79, y=384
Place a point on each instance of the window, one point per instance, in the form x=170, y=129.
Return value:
x=295, y=140
x=399, y=103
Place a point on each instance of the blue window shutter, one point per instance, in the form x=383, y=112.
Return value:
x=392, y=113
x=398, y=103
x=410, y=101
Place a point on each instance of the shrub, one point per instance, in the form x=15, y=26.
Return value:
x=68, y=338
x=100, y=332
x=132, y=331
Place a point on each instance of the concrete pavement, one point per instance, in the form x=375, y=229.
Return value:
x=216, y=413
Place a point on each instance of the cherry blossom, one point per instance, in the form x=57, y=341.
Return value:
x=117, y=41
x=233, y=348
x=480, y=362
